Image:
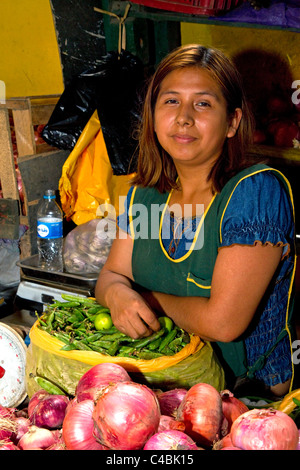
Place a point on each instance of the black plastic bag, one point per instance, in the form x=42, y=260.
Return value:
x=112, y=87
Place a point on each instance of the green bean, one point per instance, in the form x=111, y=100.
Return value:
x=101, y=344
x=126, y=351
x=144, y=354
x=48, y=386
x=71, y=304
x=69, y=347
x=72, y=322
x=98, y=349
x=83, y=300
x=98, y=309
x=62, y=337
x=81, y=345
x=115, y=336
x=154, y=345
x=112, y=351
x=50, y=319
x=148, y=339
x=167, y=339
x=176, y=344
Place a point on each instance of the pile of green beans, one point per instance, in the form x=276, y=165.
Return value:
x=72, y=322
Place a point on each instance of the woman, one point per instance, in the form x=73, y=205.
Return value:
x=220, y=260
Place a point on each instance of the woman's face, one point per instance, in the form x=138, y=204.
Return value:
x=190, y=117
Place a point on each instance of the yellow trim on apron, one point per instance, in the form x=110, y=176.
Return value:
x=187, y=254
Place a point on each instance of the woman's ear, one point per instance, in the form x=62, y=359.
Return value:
x=235, y=122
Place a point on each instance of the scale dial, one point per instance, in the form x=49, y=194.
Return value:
x=12, y=367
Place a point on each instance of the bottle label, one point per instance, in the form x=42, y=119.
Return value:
x=50, y=228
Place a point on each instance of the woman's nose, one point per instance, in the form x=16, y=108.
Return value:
x=185, y=116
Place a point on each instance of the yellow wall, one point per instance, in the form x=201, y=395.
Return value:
x=235, y=40
x=30, y=63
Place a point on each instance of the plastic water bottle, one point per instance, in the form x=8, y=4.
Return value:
x=50, y=233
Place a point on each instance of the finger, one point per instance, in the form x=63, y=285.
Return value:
x=150, y=319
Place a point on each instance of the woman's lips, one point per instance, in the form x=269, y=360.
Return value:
x=184, y=139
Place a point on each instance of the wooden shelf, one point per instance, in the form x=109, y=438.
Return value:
x=140, y=11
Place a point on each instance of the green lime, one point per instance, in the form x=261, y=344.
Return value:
x=166, y=323
x=103, y=321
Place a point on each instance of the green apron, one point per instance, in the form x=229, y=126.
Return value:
x=190, y=275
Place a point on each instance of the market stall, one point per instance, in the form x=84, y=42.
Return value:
x=69, y=378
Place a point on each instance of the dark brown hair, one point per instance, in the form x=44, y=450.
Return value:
x=155, y=167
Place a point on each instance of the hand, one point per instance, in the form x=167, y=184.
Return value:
x=130, y=313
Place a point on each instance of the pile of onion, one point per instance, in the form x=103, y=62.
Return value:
x=170, y=440
x=126, y=415
x=97, y=378
x=170, y=400
x=201, y=412
x=264, y=429
x=78, y=427
x=49, y=412
x=232, y=407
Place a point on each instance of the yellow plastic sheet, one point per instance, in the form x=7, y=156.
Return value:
x=87, y=179
x=51, y=344
x=195, y=363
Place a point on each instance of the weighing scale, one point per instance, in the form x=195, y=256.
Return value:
x=39, y=287
x=12, y=367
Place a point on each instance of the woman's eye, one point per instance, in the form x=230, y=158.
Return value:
x=203, y=104
x=171, y=101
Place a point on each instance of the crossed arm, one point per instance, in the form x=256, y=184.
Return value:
x=240, y=279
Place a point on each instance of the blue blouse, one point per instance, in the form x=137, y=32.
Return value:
x=259, y=211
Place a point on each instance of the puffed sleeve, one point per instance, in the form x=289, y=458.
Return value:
x=259, y=211
x=123, y=218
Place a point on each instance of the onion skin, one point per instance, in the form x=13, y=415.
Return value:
x=170, y=400
x=126, y=415
x=35, y=399
x=36, y=438
x=264, y=429
x=232, y=407
x=170, y=440
x=167, y=422
x=201, y=412
x=49, y=413
x=22, y=426
x=78, y=428
x=224, y=442
x=97, y=378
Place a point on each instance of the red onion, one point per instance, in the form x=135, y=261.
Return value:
x=78, y=427
x=98, y=377
x=49, y=413
x=22, y=425
x=58, y=446
x=298, y=446
x=232, y=408
x=36, y=438
x=170, y=400
x=224, y=442
x=8, y=445
x=167, y=422
x=264, y=429
x=35, y=399
x=170, y=440
x=201, y=412
x=126, y=415
x=71, y=403
x=7, y=412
